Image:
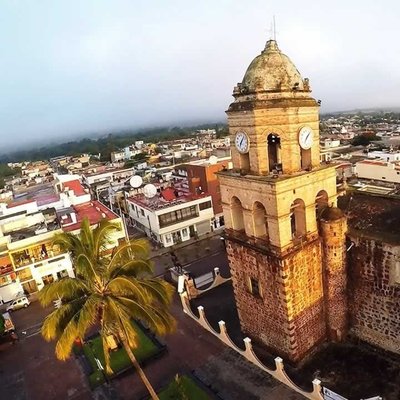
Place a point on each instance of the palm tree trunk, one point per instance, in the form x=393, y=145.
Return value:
x=138, y=368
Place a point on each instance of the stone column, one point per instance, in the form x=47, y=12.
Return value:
x=333, y=230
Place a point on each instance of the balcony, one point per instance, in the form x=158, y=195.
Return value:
x=35, y=254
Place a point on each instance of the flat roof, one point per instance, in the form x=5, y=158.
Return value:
x=76, y=186
x=158, y=202
x=94, y=211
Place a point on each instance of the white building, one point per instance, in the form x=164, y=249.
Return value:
x=378, y=170
x=330, y=143
x=28, y=258
x=169, y=219
x=388, y=156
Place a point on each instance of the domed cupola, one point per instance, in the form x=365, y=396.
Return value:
x=272, y=71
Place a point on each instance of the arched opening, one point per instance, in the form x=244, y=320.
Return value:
x=274, y=145
x=305, y=159
x=244, y=162
x=298, y=218
x=321, y=202
x=237, y=214
x=260, y=223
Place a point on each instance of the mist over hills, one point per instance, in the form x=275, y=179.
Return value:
x=104, y=143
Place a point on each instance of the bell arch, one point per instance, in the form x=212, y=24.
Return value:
x=321, y=202
x=260, y=222
x=273, y=151
x=237, y=214
x=298, y=219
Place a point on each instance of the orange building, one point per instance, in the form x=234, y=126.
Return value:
x=197, y=178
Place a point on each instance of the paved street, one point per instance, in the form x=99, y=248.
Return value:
x=29, y=369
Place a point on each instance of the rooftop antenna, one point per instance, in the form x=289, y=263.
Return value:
x=274, y=28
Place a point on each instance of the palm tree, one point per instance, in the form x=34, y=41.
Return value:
x=109, y=290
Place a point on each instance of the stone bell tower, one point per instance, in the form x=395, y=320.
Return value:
x=272, y=201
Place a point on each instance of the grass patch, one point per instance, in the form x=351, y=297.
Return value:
x=185, y=388
x=119, y=360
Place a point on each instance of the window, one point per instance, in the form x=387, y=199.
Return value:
x=254, y=287
x=62, y=274
x=24, y=274
x=168, y=238
x=142, y=212
x=205, y=205
x=47, y=279
x=184, y=232
x=176, y=216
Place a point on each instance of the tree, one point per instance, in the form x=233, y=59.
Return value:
x=109, y=290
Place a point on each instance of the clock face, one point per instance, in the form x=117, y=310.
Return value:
x=242, y=142
x=306, y=137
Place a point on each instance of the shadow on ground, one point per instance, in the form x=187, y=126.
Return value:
x=353, y=370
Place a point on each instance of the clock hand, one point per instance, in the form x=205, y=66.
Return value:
x=240, y=144
x=307, y=137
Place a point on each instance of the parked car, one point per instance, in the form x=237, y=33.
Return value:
x=21, y=302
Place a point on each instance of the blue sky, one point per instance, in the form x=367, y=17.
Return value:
x=73, y=67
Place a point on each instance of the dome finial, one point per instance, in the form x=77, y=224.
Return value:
x=271, y=43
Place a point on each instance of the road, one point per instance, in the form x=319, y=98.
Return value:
x=199, y=267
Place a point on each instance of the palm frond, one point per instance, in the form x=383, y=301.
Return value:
x=101, y=236
x=55, y=323
x=123, y=320
x=87, y=268
x=86, y=236
x=137, y=249
x=158, y=322
x=89, y=313
x=160, y=291
x=127, y=286
x=67, y=288
x=135, y=268
x=67, y=338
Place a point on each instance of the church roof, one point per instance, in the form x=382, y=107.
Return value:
x=372, y=215
x=273, y=71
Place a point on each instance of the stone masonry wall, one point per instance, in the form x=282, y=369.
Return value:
x=374, y=295
x=288, y=316
x=335, y=277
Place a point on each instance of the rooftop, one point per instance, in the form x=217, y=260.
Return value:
x=167, y=198
x=34, y=230
x=94, y=211
x=76, y=186
x=43, y=194
x=373, y=215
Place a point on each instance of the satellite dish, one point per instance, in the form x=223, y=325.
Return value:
x=149, y=190
x=136, y=181
x=213, y=160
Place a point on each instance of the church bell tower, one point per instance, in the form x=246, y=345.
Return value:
x=272, y=200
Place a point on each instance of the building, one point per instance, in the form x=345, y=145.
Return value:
x=301, y=275
x=169, y=218
x=272, y=199
x=388, y=156
x=374, y=268
x=29, y=259
x=378, y=170
x=199, y=177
